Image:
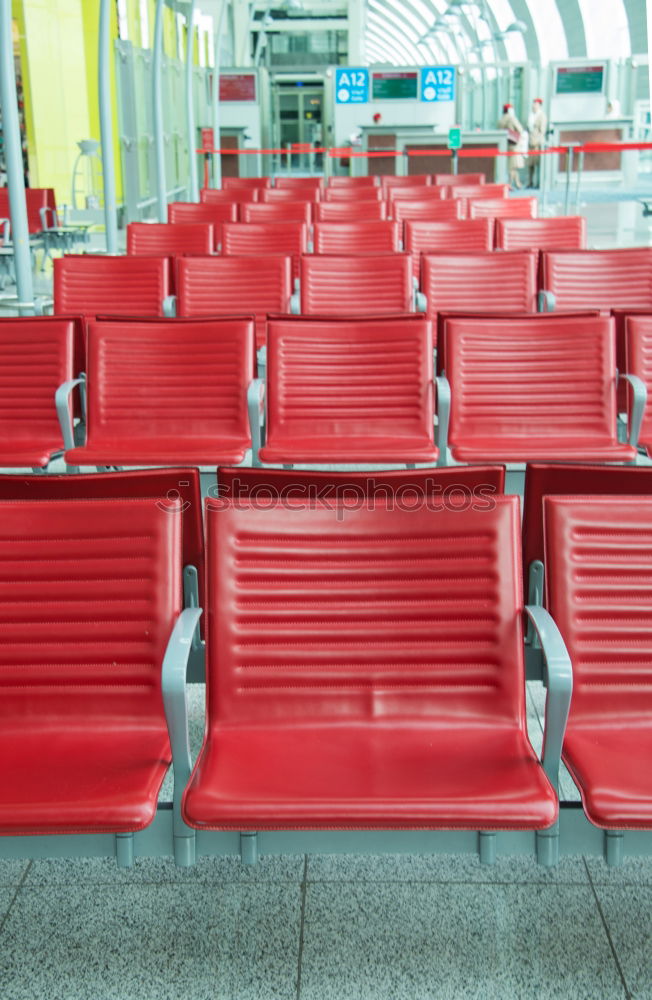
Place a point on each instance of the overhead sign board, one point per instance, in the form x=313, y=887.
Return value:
x=437, y=83
x=580, y=79
x=238, y=87
x=351, y=86
x=393, y=85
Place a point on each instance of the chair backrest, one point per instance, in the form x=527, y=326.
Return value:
x=256, y=183
x=283, y=211
x=639, y=362
x=599, y=279
x=299, y=184
x=369, y=193
x=35, y=200
x=169, y=380
x=478, y=191
x=493, y=281
x=100, y=586
x=357, y=655
x=215, y=196
x=411, y=180
x=176, y=489
x=563, y=232
x=145, y=239
x=288, y=194
x=89, y=285
x=214, y=214
x=353, y=182
x=505, y=208
x=247, y=239
x=524, y=379
x=414, y=193
x=454, y=236
x=543, y=480
x=599, y=591
x=456, y=180
x=432, y=210
x=36, y=356
x=341, y=286
x=214, y=286
x=356, y=237
x=350, y=211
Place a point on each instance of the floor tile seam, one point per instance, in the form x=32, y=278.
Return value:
x=304, y=890
x=7, y=913
x=89, y=883
x=621, y=971
x=456, y=882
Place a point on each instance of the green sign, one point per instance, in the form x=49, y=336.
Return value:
x=579, y=79
x=396, y=86
x=455, y=138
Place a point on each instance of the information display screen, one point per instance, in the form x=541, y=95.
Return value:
x=238, y=87
x=580, y=79
x=394, y=86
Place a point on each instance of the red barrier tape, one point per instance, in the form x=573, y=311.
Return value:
x=348, y=152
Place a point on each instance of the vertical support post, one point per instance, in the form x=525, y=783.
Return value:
x=580, y=167
x=249, y=848
x=455, y=165
x=124, y=849
x=569, y=170
x=106, y=128
x=193, y=186
x=157, y=99
x=217, y=157
x=14, y=161
x=614, y=841
x=487, y=848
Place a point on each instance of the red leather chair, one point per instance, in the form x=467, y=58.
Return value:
x=428, y=236
x=429, y=211
x=564, y=232
x=349, y=391
x=492, y=191
x=237, y=195
x=599, y=567
x=639, y=365
x=273, y=195
x=89, y=285
x=240, y=239
x=214, y=214
x=36, y=356
x=312, y=185
x=350, y=211
x=415, y=193
x=284, y=211
x=369, y=678
x=502, y=208
x=411, y=180
x=246, y=183
x=457, y=180
x=171, y=393
x=36, y=199
x=224, y=286
x=349, y=286
x=356, y=237
x=145, y=239
x=503, y=282
x=337, y=194
x=84, y=744
x=525, y=390
x=567, y=480
x=352, y=182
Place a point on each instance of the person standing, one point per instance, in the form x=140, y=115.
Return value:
x=514, y=129
x=537, y=125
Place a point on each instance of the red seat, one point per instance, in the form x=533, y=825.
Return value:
x=416, y=193
x=214, y=214
x=346, y=194
x=427, y=236
x=365, y=674
x=285, y=211
x=35, y=200
x=170, y=393
x=639, y=362
x=346, y=286
x=349, y=391
x=456, y=180
x=411, y=180
x=350, y=211
x=246, y=183
x=356, y=237
x=88, y=611
x=481, y=191
x=353, y=182
x=310, y=185
x=525, y=390
x=502, y=208
x=225, y=286
x=564, y=232
x=235, y=195
x=273, y=195
x=145, y=239
x=36, y=356
x=261, y=239
x=90, y=285
x=599, y=575
x=505, y=282
x=571, y=480
x=599, y=279
x=433, y=211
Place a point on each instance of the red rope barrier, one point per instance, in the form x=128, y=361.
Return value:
x=489, y=152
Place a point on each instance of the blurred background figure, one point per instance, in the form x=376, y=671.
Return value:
x=537, y=125
x=510, y=123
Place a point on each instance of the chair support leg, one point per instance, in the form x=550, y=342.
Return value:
x=487, y=848
x=614, y=842
x=124, y=849
x=249, y=848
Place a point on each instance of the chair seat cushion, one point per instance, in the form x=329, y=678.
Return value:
x=345, y=448
x=524, y=449
x=369, y=777
x=161, y=451
x=78, y=776
x=16, y=453
x=611, y=766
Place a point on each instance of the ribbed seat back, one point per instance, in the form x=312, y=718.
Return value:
x=169, y=239
x=132, y=286
x=343, y=286
x=380, y=616
x=426, y=236
x=599, y=279
x=285, y=211
x=480, y=281
x=501, y=208
x=599, y=591
x=559, y=233
x=350, y=210
x=639, y=362
x=532, y=379
x=35, y=200
x=36, y=356
x=456, y=180
x=410, y=180
x=214, y=214
x=255, y=239
x=416, y=192
x=432, y=210
x=356, y=237
x=337, y=194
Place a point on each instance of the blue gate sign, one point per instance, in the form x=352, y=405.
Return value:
x=351, y=85
x=437, y=83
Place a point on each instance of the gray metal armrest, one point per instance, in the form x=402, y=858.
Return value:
x=175, y=665
x=43, y=214
x=639, y=389
x=560, y=688
x=62, y=403
x=443, y=417
x=420, y=302
x=295, y=303
x=256, y=410
x=6, y=230
x=547, y=301
x=170, y=306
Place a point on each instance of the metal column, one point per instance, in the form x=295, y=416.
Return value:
x=217, y=157
x=106, y=129
x=157, y=97
x=14, y=159
x=193, y=187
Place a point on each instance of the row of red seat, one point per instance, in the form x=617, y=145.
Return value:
x=367, y=181
x=174, y=392
x=371, y=678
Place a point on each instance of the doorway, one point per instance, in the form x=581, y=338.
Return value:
x=297, y=112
